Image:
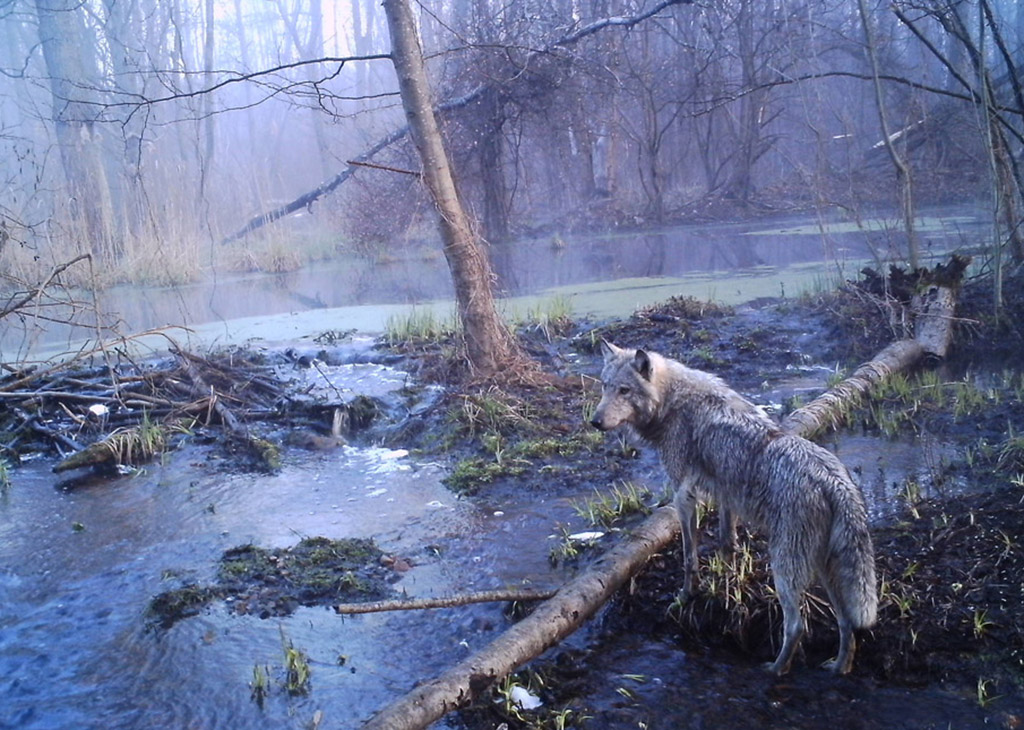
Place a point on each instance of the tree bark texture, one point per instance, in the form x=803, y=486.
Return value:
x=489, y=346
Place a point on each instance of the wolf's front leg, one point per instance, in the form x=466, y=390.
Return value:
x=726, y=530
x=686, y=509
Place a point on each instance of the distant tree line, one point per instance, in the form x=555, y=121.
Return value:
x=148, y=130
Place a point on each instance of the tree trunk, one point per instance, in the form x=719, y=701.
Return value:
x=904, y=181
x=72, y=70
x=579, y=599
x=489, y=345
x=492, y=173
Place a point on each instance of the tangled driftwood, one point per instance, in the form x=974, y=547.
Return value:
x=106, y=414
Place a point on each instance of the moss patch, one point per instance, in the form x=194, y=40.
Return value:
x=316, y=572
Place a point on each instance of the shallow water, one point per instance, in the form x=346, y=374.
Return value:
x=75, y=650
x=604, y=275
x=80, y=565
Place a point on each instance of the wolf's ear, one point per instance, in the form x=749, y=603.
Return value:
x=642, y=364
x=609, y=350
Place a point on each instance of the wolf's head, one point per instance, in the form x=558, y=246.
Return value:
x=629, y=392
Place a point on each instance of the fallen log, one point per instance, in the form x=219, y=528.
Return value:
x=829, y=409
x=550, y=622
x=933, y=332
x=123, y=447
x=581, y=598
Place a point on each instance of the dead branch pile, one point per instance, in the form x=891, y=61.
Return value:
x=121, y=413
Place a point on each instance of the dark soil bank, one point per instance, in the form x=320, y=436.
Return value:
x=948, y=648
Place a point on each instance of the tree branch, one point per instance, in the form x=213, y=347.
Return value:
x=418, y=604
x=329, y=186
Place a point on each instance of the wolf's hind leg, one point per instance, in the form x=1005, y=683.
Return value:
x=790, y=595
x=686, y=509
x=843, y=662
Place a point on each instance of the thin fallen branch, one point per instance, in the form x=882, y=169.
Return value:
x=85, y=353
x=419, y=604
x=36, y=291
x=550, y=622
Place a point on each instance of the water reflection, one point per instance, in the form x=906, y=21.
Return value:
x=703, y=261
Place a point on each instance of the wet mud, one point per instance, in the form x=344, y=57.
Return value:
x=254, y=580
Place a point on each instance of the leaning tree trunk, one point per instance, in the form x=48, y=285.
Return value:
x=579, y=599
x=489, y=345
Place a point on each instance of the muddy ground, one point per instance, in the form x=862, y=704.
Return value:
x=948, y=648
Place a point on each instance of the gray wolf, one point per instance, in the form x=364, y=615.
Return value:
x=713, y=442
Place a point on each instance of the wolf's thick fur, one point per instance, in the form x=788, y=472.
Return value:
x=714, y=442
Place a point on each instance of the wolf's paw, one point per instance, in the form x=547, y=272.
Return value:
x=834, y=666
x=773, y=668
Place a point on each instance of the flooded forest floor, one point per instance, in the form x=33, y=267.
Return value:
x=948, y=647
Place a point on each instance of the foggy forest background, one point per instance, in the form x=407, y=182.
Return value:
x=150, y=133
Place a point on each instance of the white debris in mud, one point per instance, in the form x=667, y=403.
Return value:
x=387, y=460
x=524, y=699
x=586, y=536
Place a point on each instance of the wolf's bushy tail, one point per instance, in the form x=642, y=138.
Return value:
x=852, y=556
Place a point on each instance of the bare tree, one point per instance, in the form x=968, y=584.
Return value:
x=490, y=347
x=904, y=180
x=71, y=67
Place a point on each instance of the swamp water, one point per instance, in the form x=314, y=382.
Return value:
x=78, y=567
x=609, y=275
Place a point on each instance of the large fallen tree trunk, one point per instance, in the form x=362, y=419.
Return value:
x=933, y=327
x=581, y=598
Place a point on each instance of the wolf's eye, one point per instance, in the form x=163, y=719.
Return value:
x=623, y=390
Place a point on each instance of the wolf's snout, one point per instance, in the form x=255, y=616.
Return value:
x=596, y=423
